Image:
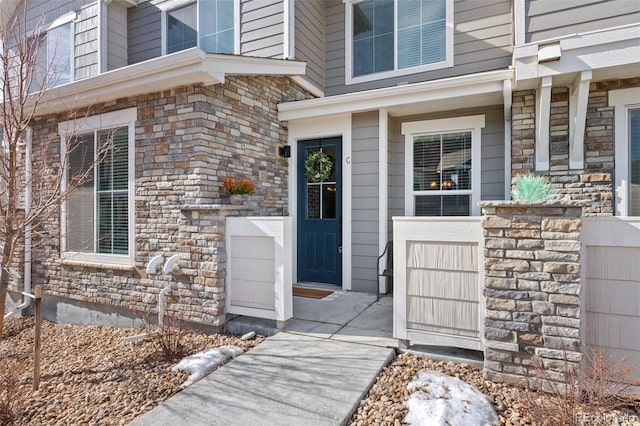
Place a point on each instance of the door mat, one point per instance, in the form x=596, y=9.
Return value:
x=311, y=293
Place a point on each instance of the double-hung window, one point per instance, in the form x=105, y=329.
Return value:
x=208, y=24
x=442, y=166
x=98, y=213
x=386, y=38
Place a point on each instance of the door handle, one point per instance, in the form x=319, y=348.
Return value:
x=339, y=249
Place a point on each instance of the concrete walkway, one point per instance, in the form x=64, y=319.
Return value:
x=290, y=379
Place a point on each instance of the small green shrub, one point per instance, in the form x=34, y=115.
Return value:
x=532, y=188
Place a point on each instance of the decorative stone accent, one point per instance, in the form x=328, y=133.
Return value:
x=532, y=292
x=188, y=140
x=594, y=183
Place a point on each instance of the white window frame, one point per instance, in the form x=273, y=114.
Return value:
x=622, y=101
x=67, y=129
x=350, y=79
x=176, y=4
x=473, y=124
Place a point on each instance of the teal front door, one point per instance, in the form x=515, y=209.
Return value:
x=320, y=211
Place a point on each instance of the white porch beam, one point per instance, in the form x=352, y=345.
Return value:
x=507, y=99
x=542, y=123
x=383, y=187
x=578, y=99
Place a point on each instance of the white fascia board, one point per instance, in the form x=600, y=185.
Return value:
x=187, y=67
x=579, y=52
x=473, y=84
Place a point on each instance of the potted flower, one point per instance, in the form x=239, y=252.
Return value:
x=237, y=189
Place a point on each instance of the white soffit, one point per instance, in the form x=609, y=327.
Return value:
x=438, y=95
x=191, y=66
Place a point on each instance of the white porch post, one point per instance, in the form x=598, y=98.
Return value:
x=542, y=124
x=383, y=187
x=579, y=97
x=507, y=99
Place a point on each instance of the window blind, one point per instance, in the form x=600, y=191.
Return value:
x=113, y=192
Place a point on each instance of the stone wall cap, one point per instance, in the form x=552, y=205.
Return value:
x=231, y=207
x=543, y=203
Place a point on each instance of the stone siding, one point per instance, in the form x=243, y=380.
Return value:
x=187, y=140
x=532, y=289
x=593, y=183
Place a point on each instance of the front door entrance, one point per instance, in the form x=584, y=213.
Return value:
x=320, y=211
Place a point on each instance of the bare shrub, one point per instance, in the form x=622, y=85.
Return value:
x=167, y=335
x=12, y=395
x=603, y=386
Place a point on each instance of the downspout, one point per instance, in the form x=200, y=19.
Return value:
x=26, y=300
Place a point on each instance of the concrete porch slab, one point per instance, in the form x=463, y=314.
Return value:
x=339, y=310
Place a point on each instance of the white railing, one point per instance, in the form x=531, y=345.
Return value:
x=611, y=286
x=259, y=267
x=438, y=281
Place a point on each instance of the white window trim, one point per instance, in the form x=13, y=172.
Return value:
x=350, y=79
x=176, y=4
x=66, y=129
x=474, y=124
x=623, y=100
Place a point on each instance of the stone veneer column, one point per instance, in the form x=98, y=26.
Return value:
x=532, y=289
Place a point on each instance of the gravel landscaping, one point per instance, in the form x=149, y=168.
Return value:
x=384, y=403
x=90, y=376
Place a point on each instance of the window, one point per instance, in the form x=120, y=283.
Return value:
x=59, y=54
x=626, y=103
x=208, y=24
x=217, y=26
x=54, y=60
x=442, y=166
x=634, y=162
x=98, y=214
x=182, y=28
x=386, y=38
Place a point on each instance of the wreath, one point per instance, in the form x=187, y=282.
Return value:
x=318, y=166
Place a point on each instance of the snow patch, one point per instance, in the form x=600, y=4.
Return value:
x=204, y=362
x=439, y=399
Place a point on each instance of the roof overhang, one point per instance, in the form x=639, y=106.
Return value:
x=439, y=95
x=192, y=66
x=609, y=53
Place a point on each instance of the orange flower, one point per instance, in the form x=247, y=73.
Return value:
x=241, y=186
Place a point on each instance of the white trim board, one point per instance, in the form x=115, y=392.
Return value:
x=189, y=66
x=623, y=100
x=299, y=130
x=491, y=82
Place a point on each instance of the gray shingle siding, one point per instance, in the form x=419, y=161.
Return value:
x=144, y=32
x=546, y=19
x=262, y=28
x=365, y=196
x=309, y=38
